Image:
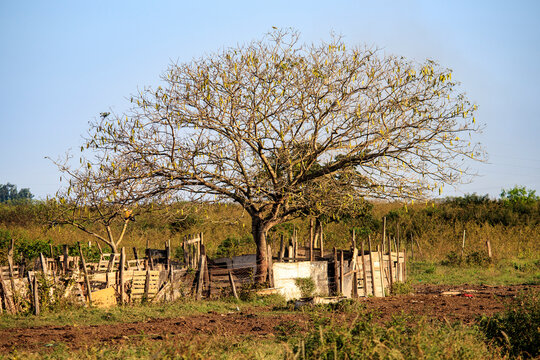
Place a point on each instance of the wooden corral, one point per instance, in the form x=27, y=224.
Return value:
x=353, y=272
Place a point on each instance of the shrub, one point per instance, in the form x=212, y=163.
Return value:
x=402, y=288
x=517, y=329
x=306, y=286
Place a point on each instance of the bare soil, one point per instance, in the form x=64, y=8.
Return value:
x=428, y=301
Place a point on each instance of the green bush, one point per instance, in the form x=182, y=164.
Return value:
x=401, y=288
x=517, y=329
x=306, y=286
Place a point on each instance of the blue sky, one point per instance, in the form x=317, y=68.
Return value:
x=64, y=62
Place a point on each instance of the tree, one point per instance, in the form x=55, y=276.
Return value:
x=519, y=195
x=9, y=192
x=274, y=124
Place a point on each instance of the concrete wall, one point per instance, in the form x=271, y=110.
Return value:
x=286, y=273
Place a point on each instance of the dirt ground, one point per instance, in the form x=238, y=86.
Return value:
x=462, y=303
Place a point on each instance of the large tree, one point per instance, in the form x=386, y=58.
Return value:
x=274, y=125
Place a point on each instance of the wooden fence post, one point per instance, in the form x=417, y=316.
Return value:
x=311, y=239
x=355, y=273
x=65, y=249
x=381, y=269
x=11, y=276
x=336, y=272
x=341, y=270
x=35, y=289
x=136, y=256
x=200, y=278
x=364, y=274
x=321, y=238
x=8, y=301
x=121, y=274
x=270, y=266
x=86, y=279
x=43, y=263
x=372, y=267
x=390, y=264
x=281, y=249
x=488, y=245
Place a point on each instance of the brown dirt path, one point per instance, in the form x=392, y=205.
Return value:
x=427, y=301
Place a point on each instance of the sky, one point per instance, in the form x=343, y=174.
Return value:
x=62, y=63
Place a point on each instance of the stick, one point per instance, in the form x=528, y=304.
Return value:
x=463, y=244
x=418, y=245
x=233, y=286
x=86, y=279
x=488, y=245
x=383, y=234
x=399, y=275
x=99, y=248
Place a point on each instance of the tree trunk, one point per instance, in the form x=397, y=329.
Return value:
x=258, y=230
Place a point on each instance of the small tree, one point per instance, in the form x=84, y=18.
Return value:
x=90, y=203
x=281, y=128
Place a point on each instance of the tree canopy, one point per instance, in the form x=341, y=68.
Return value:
x=9, y=192
x=287, y=129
